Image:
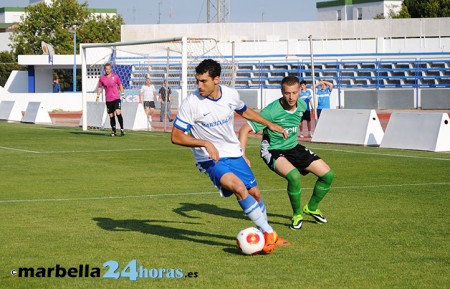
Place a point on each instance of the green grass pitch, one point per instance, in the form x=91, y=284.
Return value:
x=72, y=198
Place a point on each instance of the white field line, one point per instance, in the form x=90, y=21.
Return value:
x=379, y=154
x=19, y=150
x=181, y=148
x=206, y=193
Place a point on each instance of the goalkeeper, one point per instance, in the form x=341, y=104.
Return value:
x=287, y=157
x=112, y=84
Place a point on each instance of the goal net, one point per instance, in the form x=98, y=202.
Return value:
x=173, y=60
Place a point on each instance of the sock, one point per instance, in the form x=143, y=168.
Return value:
x=321, y=188
x=262, y=206
x=112, y=121
x=119, y=117
x=250, y=206
x=294, y=191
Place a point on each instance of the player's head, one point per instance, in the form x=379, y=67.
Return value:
x=290, y=88
x=209, y=66
x=303, y=85
x=207, y=76
x=108, y=68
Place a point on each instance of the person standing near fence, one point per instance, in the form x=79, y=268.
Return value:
x=112, y=84
x=165, y=97
x=56, y=86
x=306, y=95
x=323, y=95
x=148, y=97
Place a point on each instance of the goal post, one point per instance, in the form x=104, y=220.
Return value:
x=171, y=59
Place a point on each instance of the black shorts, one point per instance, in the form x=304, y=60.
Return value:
x=111, y=106
x=306, y=116
x=150, y=104
x=299, y=156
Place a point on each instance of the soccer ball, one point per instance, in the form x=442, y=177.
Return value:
x=250, y=241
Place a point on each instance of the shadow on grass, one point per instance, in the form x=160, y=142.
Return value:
x=154, y=227
x=91, y=133
x=215, y=210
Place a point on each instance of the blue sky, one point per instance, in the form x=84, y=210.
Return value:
x=194, y=11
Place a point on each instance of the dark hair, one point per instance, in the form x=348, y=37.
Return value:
x=108, y=64
x=290, y=80
x=210, y=66
x=302, y=82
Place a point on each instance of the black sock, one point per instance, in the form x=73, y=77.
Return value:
x=119, y=117
x=112, y=121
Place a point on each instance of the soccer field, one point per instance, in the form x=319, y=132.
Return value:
x=97, y=208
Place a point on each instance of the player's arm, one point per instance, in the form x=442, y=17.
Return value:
x=140, y=95
x=160, y=96
x=99, y=91
x=252, y=115
x=329, y=84
x=122, y=92
x=178, y=137
x=243, y=138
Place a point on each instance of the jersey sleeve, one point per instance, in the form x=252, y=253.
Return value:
x=100, y=83
x=184, y=120
x=118, y=81
x=256, y=126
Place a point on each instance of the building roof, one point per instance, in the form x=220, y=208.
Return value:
x=92, y=10
x=334, y=3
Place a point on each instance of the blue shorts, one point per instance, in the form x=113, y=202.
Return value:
x=237, y=166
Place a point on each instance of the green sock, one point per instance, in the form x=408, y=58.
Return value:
x=294, y=190
x=321, y=188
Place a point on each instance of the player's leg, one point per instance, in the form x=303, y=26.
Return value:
x=112, y=117
x=168, y=111
x=162, y=112
x=151, y=110
x=118, y=110
x=285, y=169
x=323, y=184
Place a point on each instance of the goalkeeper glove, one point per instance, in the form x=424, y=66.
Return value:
x=123, y=95
x=98, y=97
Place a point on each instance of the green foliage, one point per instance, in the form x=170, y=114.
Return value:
x=425, y=9
x=52, y=23
x=8, y=63
x=70, y=197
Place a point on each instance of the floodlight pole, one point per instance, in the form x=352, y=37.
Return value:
x=74, y=73
x=313, y=77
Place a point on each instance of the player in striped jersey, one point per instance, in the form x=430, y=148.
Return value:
x=205, y=122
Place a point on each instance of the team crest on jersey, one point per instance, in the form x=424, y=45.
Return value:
x=300, y=113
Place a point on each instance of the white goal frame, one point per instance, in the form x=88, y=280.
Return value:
x=185, y=53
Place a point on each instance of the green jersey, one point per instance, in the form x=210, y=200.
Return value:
x=290, y=121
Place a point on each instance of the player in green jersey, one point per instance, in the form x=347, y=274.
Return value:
x=287, y=157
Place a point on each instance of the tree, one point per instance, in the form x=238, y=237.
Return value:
x=51, y=23
x=425, y=9
x=8, y=63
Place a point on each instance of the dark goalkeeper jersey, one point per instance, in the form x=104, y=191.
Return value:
x=290, y=121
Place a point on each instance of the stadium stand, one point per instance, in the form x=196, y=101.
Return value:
x=365, y=73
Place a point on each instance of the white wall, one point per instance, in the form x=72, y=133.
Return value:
x=4, y=41
x=17, y=82
x=52, y=101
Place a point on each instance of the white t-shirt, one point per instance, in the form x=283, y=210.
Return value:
x=212, y=120
x=148, y=92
